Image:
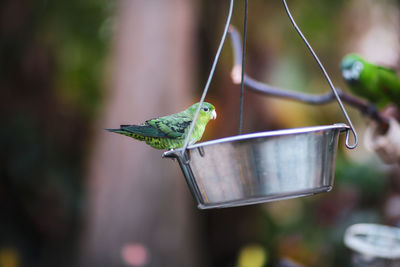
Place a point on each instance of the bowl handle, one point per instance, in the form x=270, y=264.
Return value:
x=348, y=145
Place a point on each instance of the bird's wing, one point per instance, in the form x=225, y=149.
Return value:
x=144, y=130
x=171, y=126
x=387, y=68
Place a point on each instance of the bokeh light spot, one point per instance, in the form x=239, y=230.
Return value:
x=252, y=255
x=135, y=254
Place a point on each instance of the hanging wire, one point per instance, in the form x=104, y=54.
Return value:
x=205, y=90
x=242, y=73
x=328, y=79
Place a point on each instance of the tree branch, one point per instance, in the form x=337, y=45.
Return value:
x=263, y=88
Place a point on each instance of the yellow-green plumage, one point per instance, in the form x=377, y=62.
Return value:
x=378, y=84
x=169, y=132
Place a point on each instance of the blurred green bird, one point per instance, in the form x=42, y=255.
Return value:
x=379, y=85
x=169, y=132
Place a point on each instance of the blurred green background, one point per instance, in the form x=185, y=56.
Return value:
x=72, y=195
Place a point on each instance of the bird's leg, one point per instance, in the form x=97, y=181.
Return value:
x=170, y=150
x=186, y=158
x=167, y=154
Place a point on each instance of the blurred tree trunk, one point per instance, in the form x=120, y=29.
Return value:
x=139, y=202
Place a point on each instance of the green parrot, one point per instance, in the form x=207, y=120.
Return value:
x=169, y=132
x=378, y=84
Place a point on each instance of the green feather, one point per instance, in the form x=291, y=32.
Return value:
x=379, y=85
x=170, y=132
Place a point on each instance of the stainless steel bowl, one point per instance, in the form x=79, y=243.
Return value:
x=260, y=167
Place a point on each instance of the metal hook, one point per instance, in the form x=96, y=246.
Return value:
x=329, y=81
x=348, y=137
x=203, y=96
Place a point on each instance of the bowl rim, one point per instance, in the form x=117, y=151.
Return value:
x=283, y=132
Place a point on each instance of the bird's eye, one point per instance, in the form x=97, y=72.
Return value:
x=205, y=109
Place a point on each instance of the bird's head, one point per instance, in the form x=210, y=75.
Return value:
x=207, y=111
x=351, y=67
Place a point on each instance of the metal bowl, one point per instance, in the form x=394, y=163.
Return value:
x=261, y=167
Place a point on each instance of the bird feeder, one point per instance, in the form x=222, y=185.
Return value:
x=261, y=167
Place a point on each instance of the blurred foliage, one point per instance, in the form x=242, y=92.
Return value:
x=52, y=58
x=252, y=255
x=52, y=55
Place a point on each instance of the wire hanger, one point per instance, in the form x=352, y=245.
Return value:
x=205, y=90
x=328, y=79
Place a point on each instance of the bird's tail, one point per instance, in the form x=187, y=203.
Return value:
x=113, y=130
x=127, y=133
x=119, y=131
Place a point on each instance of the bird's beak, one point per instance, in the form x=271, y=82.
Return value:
x=213, y=114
